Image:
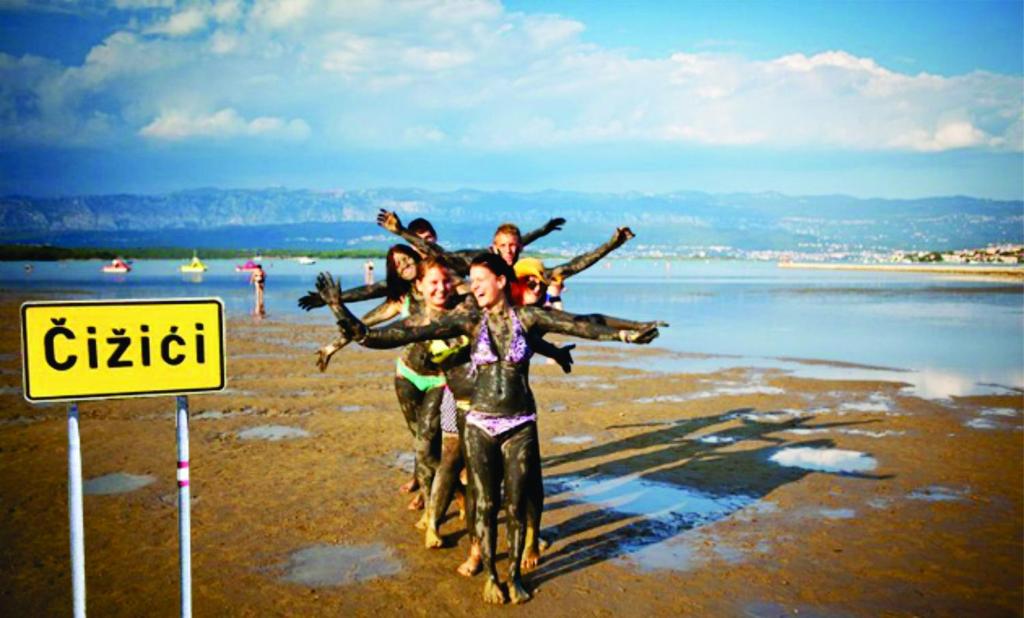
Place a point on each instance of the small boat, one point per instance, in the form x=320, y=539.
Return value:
x=306, y=260
x=117, y=266
x=195, y=266
x=248, y=266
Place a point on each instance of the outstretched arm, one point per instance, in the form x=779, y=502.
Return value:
x=620, y=323
x=555, y=321
x=586, y=260
x=450, y=325
x=312, y=298
x=403, y=333
x=382, y=313
x=455, y=260
x=551, y=226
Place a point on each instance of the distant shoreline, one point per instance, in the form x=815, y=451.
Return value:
x=1004, y=272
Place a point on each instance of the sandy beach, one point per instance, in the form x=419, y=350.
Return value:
x=743, y=492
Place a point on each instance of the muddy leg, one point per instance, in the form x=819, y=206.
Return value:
x=519, y=454
x=409, y=400
x=534, y=510
x=471, y=566
x=484, y=455
x=443, y=488
x=428, y=445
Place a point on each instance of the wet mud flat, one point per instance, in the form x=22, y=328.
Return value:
x=741, y=491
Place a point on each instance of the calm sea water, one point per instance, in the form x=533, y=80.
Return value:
x=943, y=336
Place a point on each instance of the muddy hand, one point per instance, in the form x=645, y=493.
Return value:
x=623, y=234
x=330, y=292
x=564, y=357
x=328, y=289
x=324, y=354
x=647, y=335
x=554, y=224
x=311, y=300
x=389, y=220
x=644, y=335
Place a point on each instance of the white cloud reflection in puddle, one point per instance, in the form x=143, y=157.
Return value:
x=824, y=459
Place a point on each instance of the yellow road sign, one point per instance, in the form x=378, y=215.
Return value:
x=75, y=350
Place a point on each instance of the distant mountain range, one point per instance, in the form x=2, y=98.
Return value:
x=672, y=223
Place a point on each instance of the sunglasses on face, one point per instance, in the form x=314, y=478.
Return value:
x=534, y=285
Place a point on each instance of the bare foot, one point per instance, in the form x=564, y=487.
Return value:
x=432, y=539
x=416, y=503
x=471, y=566
x=424, y=522
x=518, y=592
x=493, y=593
x=409, y=487
x=464, y=477
x=531, y=558
x=460, y=503
x=531, y=552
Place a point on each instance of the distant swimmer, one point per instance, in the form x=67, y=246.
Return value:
x=368, y=272
x=258, y=279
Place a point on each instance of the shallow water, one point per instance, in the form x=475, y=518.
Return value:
x=116, y=483
x=824, y=459
x=941, y=336
x=636, y=496
x=939, y=493
x=572, y=439
x=273, y=433
x=339, y=565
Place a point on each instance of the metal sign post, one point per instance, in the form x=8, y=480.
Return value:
x=75, y=514
x=104, y=349
x=184, y=509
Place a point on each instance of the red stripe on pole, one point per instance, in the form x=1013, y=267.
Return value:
x=182, y=464
x=182, y=483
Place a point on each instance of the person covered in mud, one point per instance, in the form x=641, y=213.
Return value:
x=411, y=387
x=508, y=241
x=501, y=442
x=529, y=289
x=397, y=290
x=438, y=419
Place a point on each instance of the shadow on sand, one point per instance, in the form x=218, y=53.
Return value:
x=691, y=475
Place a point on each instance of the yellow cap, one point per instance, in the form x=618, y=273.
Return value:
x=530, y=266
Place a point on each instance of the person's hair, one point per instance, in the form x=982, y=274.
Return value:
x=427, y=263
x=509, y=228
x=419, y=225
x=497, y=266
x=398, y=287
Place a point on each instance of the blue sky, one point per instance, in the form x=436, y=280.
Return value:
x=890, y=99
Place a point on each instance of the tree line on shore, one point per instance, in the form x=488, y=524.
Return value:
x=48, y=253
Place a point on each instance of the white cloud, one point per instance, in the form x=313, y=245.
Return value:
x=949, y=136
x=225, y=123
x=143, y=4
x=830, y=59
x=223, y=42
x=470, y=74
x=424, y=134
x=181, y=24
x=226, y=11
x=280, y=13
